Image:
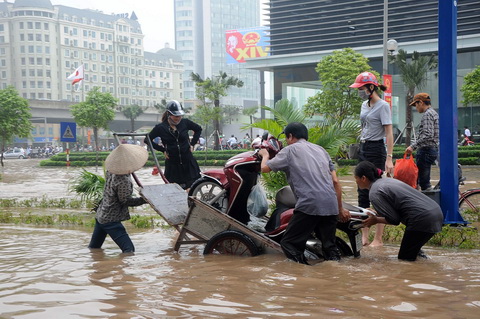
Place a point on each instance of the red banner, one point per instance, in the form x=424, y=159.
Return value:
x=247, y=44
x=387, y=95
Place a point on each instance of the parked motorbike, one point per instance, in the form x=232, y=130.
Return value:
x=228, y=189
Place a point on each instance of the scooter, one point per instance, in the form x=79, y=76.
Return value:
x=467, y=142
x=228, y=191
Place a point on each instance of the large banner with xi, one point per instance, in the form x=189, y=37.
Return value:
x=247, y=44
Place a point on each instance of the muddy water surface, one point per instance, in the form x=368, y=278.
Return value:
x=49, y=273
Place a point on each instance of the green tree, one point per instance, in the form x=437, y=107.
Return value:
x=229, y=111
x=132, y=112
x=214, y=88
x=250, y=112
x=14, y=117
x=96, y=112
x=284, y=112
x=332, y=135
x=337, y=72
x=471, y=87
x=414, y=74
x=204, y=116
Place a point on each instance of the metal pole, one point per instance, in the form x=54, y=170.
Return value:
x=447, y=101
x=385, y=36
x=262, y=95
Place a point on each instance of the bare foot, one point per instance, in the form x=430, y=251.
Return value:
x=365, y=244
x=376, y=244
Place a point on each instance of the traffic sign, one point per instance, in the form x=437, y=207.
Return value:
x=68, y=131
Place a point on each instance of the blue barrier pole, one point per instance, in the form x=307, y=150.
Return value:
x=447, y=96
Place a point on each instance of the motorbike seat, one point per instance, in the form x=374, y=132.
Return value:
x=286, y=197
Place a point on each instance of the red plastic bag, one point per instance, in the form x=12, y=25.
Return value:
x=406, y=170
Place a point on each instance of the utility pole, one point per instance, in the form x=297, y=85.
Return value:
x=385, y=36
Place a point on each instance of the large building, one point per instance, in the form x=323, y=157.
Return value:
x=42, y=44
x=304, y=31
x=200, y=27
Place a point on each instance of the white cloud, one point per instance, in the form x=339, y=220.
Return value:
x=155, y=17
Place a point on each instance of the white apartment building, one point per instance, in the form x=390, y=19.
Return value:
x=41, y=44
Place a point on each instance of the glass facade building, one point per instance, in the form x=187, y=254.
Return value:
x=304, y=31
x=200, y=27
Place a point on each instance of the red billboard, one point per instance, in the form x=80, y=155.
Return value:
x=247, y=44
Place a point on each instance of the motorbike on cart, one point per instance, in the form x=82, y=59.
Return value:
x=228, y=190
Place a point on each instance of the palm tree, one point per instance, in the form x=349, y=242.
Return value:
x=132, y=112
x=414, y=74
x=250, y=112
x=284, y=112
x=332, y=135
x=214, y=88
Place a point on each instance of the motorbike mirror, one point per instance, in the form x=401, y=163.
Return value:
x=265, y=136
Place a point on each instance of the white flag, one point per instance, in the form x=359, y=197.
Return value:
x=77, y=75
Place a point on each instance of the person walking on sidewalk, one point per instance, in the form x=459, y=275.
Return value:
x=427, y=141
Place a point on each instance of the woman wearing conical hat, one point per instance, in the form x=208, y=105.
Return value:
x=117, y=196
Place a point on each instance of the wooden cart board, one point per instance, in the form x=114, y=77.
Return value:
x=168, y=200
x=204, y=221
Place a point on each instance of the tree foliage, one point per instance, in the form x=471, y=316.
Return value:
x=337, y=71
x=132, y=112
x=14, y=117
x=213, y=89
x=414, y=73
x=96, y=112
x=471, y=87
x=284, y=112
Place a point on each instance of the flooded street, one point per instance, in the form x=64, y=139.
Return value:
x=48, y=272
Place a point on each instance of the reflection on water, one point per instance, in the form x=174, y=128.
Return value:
x=49, y=273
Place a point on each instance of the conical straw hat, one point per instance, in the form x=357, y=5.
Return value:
x=126, y=159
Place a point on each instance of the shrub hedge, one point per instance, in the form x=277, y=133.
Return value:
x=467, y=155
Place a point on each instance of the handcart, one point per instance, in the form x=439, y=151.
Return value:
x=200, y=223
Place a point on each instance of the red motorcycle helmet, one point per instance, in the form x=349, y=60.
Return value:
x=364, y=78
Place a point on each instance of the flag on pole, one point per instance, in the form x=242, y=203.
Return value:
x=77, y=75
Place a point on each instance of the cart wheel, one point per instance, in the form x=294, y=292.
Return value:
x=205, y=189
x=231, y=242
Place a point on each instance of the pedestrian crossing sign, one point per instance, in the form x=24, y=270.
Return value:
x=68, y=131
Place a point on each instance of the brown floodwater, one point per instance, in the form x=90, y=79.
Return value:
x=48, y=272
